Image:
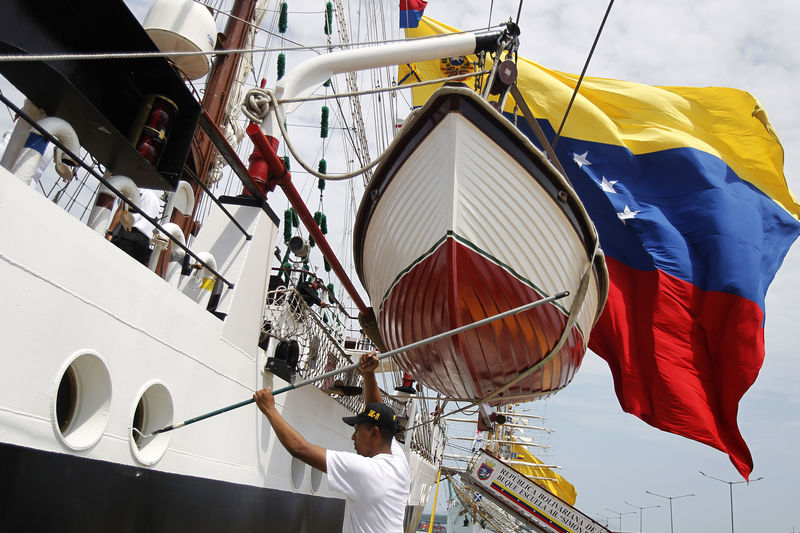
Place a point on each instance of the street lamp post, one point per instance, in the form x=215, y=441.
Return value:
x=730, y=487
x=640, y=512
x=620, y=515
x=670, y=498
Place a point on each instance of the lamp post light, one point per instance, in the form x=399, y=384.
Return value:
x=620, y=515
x=670, y=498
x=640, y=512
x=730, y=487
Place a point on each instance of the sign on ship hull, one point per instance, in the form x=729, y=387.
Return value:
x=527, y=500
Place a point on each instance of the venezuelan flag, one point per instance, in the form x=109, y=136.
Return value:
x=686, y=189
x=411, y=12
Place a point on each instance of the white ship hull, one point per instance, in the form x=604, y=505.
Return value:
x=73, y=300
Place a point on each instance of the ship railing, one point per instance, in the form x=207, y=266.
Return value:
x=320, y=338
x=77, y=195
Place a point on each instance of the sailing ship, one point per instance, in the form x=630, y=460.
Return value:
x=473, y=509
x=105, y=352
x=101, y=351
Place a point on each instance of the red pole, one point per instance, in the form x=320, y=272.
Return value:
x=265, y=151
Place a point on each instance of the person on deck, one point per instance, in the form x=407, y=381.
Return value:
x=376, y=479
x=308, y=291
x=136, y=242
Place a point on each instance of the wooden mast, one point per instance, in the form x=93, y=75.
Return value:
x=215, y=99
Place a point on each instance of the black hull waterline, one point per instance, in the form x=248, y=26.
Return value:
x=45, y=491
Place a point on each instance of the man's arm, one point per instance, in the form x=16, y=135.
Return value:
x=291, y=439
x=368, y=364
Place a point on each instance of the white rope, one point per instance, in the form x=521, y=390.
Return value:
x=256, y=107
x=6, y=58
x=258, y=101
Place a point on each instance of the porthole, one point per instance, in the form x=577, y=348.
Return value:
x=316, y=479
x=82, y=401
x=298, y=473
x=67, y=400
x=153, y=411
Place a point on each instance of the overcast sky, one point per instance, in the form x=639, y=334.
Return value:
x=609, y=456
x=612, y=457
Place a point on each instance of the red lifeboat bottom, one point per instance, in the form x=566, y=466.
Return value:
x=456, y=285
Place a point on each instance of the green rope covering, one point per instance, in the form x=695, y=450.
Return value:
x=286, y=162
x=322, y=169
x=323, y=223
x=295, y=219
x=283, y=19
x=281, y=65
x=327, y=266
x=330, y=292
x=328, y=18
x=287, y=225
x=323, y=122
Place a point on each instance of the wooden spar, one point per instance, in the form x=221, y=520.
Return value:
x=215, y=100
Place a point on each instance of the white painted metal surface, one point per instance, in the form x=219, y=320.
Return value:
x=183, y=26
x=150, y=337
x=308, y=75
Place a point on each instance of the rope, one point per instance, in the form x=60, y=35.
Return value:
x=256, y=107
x=6, y=58
x=583, y=72
x=133, y=55
x=258, y=101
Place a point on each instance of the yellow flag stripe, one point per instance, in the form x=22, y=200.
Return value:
x=727, y=123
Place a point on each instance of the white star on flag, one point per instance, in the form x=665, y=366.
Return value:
x=627, y=214
x=608, y=186
x=580, y=159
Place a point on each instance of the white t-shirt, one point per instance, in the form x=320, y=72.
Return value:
x=150, y=204
x=376, y=489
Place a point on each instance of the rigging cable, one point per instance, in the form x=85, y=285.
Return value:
x=7, y=58
x=580, y=79
x=257, y=101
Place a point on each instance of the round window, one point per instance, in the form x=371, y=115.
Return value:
x=153, y=411
x=82, y=401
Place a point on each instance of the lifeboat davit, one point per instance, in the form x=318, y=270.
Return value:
x=465, y=219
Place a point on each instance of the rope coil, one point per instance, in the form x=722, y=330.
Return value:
x=256, y=107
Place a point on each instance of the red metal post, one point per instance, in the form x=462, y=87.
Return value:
x=278, y=175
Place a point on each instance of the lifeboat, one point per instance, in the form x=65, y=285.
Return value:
x=465, y=219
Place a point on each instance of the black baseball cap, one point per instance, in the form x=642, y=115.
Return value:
x=378, y=414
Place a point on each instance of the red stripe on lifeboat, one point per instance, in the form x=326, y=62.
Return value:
x=455, y=286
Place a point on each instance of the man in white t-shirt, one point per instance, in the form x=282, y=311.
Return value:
x=375, y=480
x=136, y=241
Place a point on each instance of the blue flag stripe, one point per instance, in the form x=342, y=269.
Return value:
x=690, y=215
